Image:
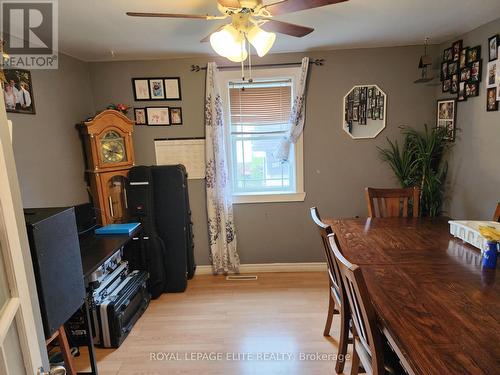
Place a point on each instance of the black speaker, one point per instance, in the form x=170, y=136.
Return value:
x=57, y=263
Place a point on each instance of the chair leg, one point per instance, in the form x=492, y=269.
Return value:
x=329, y=318
x=343, y=340
x=355, y=362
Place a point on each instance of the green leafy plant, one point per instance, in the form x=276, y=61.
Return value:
x=421, y=162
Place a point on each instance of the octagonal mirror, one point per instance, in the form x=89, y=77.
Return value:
x=364, y=111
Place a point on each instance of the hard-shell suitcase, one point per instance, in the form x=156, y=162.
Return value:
x=173, y=224
x=121, y=308
x=140, y=199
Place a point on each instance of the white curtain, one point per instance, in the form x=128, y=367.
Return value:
x=297, y=116
x=221, y=230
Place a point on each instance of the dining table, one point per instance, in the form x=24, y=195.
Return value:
x=437, y=306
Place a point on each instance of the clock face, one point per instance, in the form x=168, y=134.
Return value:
x=112, y=148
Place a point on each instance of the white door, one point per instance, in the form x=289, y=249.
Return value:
x=20, y=349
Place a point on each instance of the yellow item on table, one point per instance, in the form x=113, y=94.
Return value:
x=490, y=233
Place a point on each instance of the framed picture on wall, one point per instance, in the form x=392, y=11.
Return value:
x=157, y=116
x=448, y=54
x=456, y=47
x=176, y=115
x=491, y=99
x=172, y=88
x=473, y=54
x=140, y=116
x=156, y=89
x=18, y=91
x=447, y=116
x=141, y=88
x=493, y=47
x=463, y=58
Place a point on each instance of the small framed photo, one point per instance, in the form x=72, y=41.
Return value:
x=472, y=89
x=157, y=116
x=447, y=116
x=448, y=54
x=491, y=99
x=444, y=71
x=140, y=116
x=493, y=67
x=141, y=89
x=461, y=92
x=475, y=71
x=463, y=58
x=172, y=88
x=464, y=74
x=157, y=89
x=18, y=91
x=446, y=85
x=493, y=47
x=454, y=84
x=456, y=47
x=176, y=115
x=473, y=54
x=452, y=68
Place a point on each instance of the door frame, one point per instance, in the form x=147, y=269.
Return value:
x=23, y=307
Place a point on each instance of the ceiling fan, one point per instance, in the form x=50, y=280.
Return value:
x=252, y=21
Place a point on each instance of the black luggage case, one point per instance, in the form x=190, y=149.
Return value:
x=140, y=198
x=173, y=224
x=118, y=312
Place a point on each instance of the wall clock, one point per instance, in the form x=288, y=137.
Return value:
x=109, y=155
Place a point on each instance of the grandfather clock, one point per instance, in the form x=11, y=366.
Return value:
x=107, y=140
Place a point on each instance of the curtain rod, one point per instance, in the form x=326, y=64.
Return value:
x=317, y=62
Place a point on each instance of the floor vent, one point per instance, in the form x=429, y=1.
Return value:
x=241, y=277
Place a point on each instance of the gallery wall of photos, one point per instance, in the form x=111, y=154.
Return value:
x=461, y=69
x=493, y=77
x=157, y=89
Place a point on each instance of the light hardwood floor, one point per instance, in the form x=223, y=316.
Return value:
x=278, y=313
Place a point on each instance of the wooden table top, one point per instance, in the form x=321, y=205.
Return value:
x=434, y=301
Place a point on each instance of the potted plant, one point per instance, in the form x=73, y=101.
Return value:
x=421, y=161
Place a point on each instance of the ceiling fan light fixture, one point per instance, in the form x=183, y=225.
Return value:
x=261, y=40
x=228, y=42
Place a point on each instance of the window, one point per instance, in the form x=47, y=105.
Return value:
x=257, y=119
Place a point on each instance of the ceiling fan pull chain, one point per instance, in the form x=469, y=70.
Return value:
x=250, y=79
x=242, y=62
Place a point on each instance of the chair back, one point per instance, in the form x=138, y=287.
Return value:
x=392, y=202
x=496, y=217
x=363, y=314
x=333, y=271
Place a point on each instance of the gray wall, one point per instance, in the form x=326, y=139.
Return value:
x=337, y=168
x=47, y=149
x=474, y=168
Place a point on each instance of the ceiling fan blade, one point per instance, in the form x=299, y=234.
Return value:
x=207, y=38
x=289, y=6
x=229, y=3
x=287, y=28
x=169, y=15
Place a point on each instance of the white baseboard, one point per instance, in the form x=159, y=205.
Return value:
x=271, y=267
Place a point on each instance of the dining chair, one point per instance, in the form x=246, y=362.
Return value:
x=337, y=304
x=496, y=216
x=392, y=202
x=370, y=350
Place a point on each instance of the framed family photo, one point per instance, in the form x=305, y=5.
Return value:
x=493, y=47
x=18, y=91
x=447, y=116
x=491, y=99
x=157, y=116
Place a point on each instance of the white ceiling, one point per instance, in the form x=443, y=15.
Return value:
x=90, y=29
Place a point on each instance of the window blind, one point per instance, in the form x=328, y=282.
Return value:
x=260, y=104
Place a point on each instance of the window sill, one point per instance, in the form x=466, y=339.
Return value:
x=269, y=198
